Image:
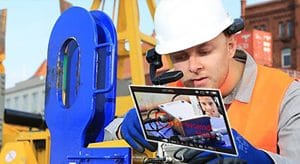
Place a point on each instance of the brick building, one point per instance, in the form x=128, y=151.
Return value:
x=282, y=19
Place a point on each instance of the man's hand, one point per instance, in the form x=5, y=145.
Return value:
x=246, y=154
x=132, y=133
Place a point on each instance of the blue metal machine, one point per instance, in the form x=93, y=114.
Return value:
x=81, y=87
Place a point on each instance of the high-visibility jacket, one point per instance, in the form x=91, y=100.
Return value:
x=257, y=121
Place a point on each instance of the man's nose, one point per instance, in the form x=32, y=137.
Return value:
x=194, y=64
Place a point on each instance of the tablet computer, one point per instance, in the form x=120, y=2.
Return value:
x=190, y=117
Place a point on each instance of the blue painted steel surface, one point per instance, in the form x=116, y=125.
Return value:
x=81, y=87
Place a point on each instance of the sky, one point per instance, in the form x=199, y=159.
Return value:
x=28, y=28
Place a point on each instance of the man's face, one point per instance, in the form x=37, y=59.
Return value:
x=209, y=106
x=205, y=65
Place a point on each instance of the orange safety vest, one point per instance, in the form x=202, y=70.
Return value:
x=257, y=121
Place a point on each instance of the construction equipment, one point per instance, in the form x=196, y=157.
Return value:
x=81, y=87
x=26, y=138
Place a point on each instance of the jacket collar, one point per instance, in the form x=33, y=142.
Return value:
x=243, y=90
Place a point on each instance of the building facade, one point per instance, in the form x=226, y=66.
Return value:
x=27, y=96
x=281, y=18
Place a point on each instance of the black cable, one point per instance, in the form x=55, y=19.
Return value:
x=150, y=111
x=173, y=98
x=175, y=154
x=188, y=156
x=150, y=120
x=161, y=128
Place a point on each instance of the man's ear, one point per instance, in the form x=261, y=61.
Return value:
x=231, y=45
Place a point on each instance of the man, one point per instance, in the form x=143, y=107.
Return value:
x=209, y=106
x=263, y=103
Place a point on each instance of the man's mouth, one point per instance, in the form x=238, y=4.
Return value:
x=200, y=82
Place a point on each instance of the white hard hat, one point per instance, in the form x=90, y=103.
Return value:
x=181, y=24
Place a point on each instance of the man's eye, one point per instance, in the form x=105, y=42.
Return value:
x=204, y=53
x=179, y=57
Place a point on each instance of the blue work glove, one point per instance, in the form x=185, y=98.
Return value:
x=246, y=154
x=132, y=133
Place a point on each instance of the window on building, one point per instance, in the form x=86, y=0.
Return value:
x=17, y=103
x=281, y=30
x=290, y=29
x=286, y=58
x=25, y=102
x=263, y=27
x=34, y=101
x=7, y=103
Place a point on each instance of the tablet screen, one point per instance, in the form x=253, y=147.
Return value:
x=190, y=117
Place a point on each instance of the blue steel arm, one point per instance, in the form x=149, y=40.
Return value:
x=81, y=87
